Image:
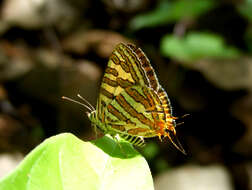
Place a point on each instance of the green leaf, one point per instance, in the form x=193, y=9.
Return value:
x=245, y=9
x=168, y=12
x=150, y=150
x=196, y=45
x=65, y=162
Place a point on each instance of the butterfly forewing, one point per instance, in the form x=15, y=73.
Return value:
x=124, y=70
x=145, y=66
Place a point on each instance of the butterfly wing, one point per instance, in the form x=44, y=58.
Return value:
x=131, y=100
x=134, y=111
x=153, y=83
x=129, y=80
x=127, y=66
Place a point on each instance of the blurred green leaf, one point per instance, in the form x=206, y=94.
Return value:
x=161, y=165
x=245, y=9
x=65, y=162
x=171, y=11
x=150, y=150
x=196, y=46
x=248, y=38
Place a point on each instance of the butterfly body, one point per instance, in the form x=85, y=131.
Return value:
x=132, y=103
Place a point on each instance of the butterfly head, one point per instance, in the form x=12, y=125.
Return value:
x=92, y=116
x=167, y=129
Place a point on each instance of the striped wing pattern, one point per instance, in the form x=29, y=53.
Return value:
x=131, y=102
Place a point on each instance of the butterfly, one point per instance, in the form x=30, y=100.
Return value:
x=132, y=103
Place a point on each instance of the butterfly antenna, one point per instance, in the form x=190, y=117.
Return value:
x=77, y=102
x=181, y=123
x=185, y=115
x=86, y=101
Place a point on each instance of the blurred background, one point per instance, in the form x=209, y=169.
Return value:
x=200, y=50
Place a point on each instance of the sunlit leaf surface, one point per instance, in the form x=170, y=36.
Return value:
x=65, y=162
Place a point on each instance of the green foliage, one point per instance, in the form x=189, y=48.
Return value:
x=195, y=46
x=161, y=165
x=248, y=38
x=150, y=150
x=168, y=12
x=245, y=9
x=65, y=162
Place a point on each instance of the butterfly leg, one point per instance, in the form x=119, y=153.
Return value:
x=160, y=137
x=95, y=130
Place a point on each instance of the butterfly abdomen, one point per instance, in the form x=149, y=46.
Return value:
x=134, y=140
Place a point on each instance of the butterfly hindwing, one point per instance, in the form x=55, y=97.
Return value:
x=134, y=111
